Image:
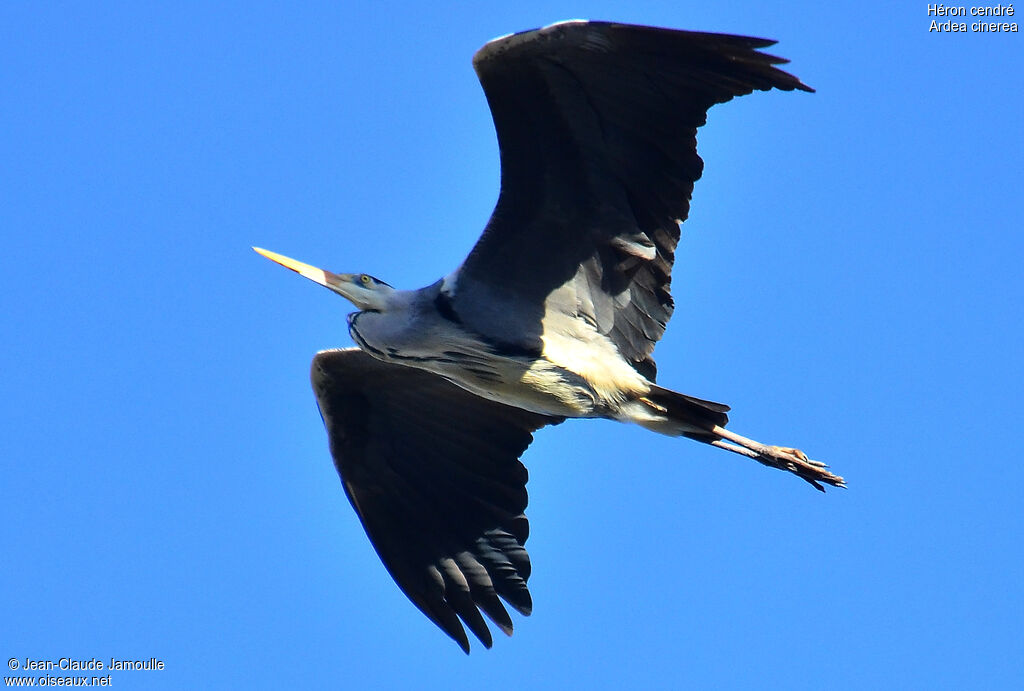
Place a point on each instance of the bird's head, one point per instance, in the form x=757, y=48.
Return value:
x=362, y=290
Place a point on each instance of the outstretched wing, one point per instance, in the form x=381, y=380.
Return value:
x=434, y=474
x=597, y=127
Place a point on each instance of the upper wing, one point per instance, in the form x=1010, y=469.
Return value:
x=597, y=126
x=434, y=474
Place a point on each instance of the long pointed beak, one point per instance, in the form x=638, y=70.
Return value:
x=335, y=282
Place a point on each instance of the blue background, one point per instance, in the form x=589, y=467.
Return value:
x=849, y=281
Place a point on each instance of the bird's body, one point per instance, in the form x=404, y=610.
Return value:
x=575, y=372
x=553, y=315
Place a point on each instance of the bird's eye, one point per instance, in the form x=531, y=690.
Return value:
x=365, y=280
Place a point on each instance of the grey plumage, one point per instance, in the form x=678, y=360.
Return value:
x=554, y=313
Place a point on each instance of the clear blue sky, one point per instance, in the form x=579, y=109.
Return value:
x=849, y=281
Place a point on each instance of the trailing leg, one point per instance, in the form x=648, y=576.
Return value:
x=781, y=457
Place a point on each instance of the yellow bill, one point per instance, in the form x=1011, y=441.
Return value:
x=324, y=278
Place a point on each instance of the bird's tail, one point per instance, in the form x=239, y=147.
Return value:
x=679, y=414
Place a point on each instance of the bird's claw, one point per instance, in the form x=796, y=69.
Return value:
x=797, y=462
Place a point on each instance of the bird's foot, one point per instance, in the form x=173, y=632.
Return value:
x=797, y=462
x=781, y=457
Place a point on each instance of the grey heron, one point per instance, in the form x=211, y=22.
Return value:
x=554, y=314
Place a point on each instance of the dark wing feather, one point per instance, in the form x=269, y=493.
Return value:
x=597, y=127
x=434, y=474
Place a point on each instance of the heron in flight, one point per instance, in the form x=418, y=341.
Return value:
x=553, y=315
